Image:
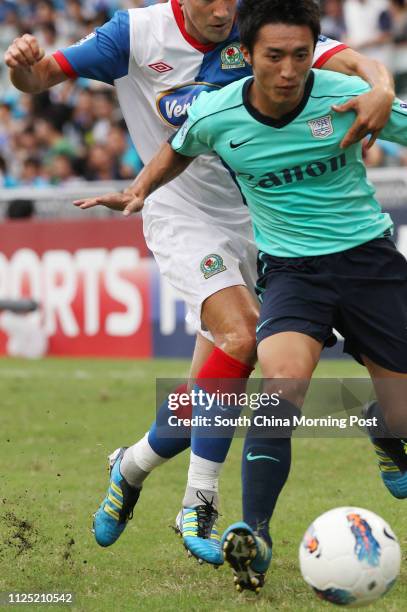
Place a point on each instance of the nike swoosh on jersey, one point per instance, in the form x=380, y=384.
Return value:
x=251, y=457
x=235, y=145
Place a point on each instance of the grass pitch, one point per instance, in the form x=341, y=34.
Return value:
x=59, y=420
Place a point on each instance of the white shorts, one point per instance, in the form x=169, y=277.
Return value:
x=198, y=257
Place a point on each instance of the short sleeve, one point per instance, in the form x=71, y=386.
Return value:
x=395, y=129
x=103, y=55
x=325, y=49
x=192, y=138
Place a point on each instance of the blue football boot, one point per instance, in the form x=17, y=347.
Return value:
x=248, y=555
x=116, y=509
x=197, y=528
x=391, y=454
x=394, y=480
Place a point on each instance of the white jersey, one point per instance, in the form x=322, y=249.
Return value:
x=158, y=70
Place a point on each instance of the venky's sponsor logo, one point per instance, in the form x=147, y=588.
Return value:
x=173, y=104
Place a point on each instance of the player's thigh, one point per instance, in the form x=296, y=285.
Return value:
x=295, y=319
x=231, y=315
x=201, y=260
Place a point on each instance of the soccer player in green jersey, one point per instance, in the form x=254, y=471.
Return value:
x=326, y=259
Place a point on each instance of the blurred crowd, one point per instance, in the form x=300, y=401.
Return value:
x=378, y=29
x=76, y=131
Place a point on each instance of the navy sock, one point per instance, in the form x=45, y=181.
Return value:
x=265, y=468
x=380, y=435
x=160, y=436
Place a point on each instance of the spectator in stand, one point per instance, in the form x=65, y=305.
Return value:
x=59, y=128
x=6, y=127
x=104, y=111
x=24, y=145
x=333, y=21
x=47, y=36
x=122, y=149
x=100, y=164
x=5, y=179
x=384, y=153
x=51, y=139
x=32, y=174
x=74, y=26
x=398, y=11
x=61, y=171
x=45, y=13
x=369, y=27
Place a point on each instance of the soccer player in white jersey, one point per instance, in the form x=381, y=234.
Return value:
x=159, y=59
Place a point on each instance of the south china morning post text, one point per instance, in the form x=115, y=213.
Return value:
x=218, y=412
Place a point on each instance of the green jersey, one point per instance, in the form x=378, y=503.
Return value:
x=306, y=196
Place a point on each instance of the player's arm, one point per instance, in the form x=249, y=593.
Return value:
x=29, y=70
x=103, y=55
x=166, y=165
x=372, y=108
x=396, y=128
x=172, y=159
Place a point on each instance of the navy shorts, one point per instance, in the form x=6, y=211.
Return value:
x=361, y=292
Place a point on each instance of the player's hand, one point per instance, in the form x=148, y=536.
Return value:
x=128, y=202
x=23, y=52
x=372, y=113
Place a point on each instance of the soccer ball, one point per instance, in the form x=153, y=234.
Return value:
x=350, y=556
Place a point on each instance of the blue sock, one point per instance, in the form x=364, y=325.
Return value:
x=161, y=435
x=209, y=441
x=224, y=374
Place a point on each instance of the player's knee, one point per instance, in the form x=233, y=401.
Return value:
x=290, y=369
x=240, y=344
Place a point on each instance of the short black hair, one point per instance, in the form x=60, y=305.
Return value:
x=252, y=15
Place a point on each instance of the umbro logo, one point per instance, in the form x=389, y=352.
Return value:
x=160, y=67
x=235, y=145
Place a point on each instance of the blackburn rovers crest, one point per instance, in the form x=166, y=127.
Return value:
x=321, y=127
x=211, y=265
x=232, y=57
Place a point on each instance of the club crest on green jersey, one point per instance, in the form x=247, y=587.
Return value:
x=212, y=264
x=321, y=127
x=232, y=57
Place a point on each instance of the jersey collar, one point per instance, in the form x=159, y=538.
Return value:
x=179, y=18
x=285, y=119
